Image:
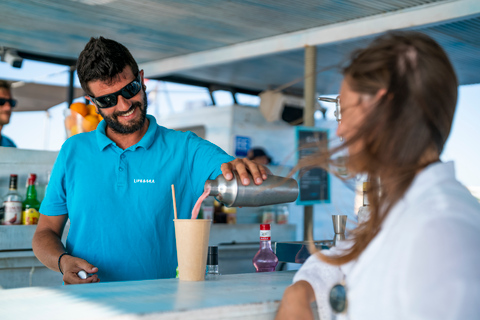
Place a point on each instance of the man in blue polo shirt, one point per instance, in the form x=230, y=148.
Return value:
x=114, y=183
x=6, y=105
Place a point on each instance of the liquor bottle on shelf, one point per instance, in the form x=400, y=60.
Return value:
x=268, y=214
x=265, y=259
x=231, y=214
x=218, y=215
x=364, y=210
x=12, y=203
x=211, y=272
x=31, y=205
x=281, y=213
x=208, y=208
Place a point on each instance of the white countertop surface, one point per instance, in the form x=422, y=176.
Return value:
x=239, y=296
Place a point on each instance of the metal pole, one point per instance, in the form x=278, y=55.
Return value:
x=234, y=97
x=309, y=121
x=214, y=103
x=46, y=130
x=70, y=85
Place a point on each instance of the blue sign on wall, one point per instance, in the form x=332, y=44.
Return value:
x=314, y=184
x=242, y=145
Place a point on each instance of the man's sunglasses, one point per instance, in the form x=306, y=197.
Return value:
x=110, y=100
x=12, y=102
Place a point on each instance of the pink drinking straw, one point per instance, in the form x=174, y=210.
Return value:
x=174, y=202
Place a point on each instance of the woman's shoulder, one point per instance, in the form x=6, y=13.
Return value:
x=449, y=201
x=437, y=194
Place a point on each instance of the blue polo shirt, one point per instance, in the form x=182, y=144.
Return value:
x=119, y=202
x=6, y=142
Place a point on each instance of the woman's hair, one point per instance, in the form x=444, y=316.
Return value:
x=406, y=128
x=103, y=59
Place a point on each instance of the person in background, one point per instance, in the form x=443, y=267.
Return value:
x=6, y=106
x=259, y=156
x=416, y=256
x=114, y=183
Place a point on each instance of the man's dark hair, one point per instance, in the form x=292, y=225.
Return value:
x=4, y=85
x=103, y=59
x=258, y=152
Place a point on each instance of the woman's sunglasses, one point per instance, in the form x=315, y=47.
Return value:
x=128, y=92
x=338, y=116
x=12, y=102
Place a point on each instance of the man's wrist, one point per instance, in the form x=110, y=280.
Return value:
x=60, y=258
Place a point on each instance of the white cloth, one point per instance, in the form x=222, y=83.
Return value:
x=423, y=264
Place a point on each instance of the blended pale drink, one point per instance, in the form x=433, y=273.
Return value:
x=192, y=246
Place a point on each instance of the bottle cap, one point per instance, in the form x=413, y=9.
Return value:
x=13, y=181
x=212, y=256
x=366, y=186
x=32, y=178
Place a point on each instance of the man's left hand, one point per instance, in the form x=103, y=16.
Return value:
x=243, y=166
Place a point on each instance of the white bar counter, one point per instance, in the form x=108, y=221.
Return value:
x=239, y=296
x=19, y=267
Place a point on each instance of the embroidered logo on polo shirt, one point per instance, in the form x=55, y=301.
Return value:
x=143, y=180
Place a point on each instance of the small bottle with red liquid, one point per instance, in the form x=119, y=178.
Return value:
x=265, y=260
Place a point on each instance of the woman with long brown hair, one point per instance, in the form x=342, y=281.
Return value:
x=417, y=256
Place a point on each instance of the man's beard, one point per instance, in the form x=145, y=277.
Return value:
x=4, y=118
x=115, y=125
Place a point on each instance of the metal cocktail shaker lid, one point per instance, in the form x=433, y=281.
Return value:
x=233, y=193
x=224, y=191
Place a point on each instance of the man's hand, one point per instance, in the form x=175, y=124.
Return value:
x=243, y=166
x=296, y=302
x=47, y=246
x=71, y=266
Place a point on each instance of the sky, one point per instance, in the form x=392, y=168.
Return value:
x=45, y=130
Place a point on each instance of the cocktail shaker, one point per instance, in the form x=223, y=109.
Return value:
x=233, y=193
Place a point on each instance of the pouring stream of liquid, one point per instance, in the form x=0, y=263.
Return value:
x=196, y=208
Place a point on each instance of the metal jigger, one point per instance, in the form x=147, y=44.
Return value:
x=339, y=224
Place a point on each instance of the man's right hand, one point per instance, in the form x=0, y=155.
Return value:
x=47, y=246
x=72, y=265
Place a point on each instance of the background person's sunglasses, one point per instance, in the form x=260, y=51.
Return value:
x=110, y=100
x=12, y=102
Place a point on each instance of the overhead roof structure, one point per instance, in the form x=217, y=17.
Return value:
x=245, y=45
x=37, y=97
